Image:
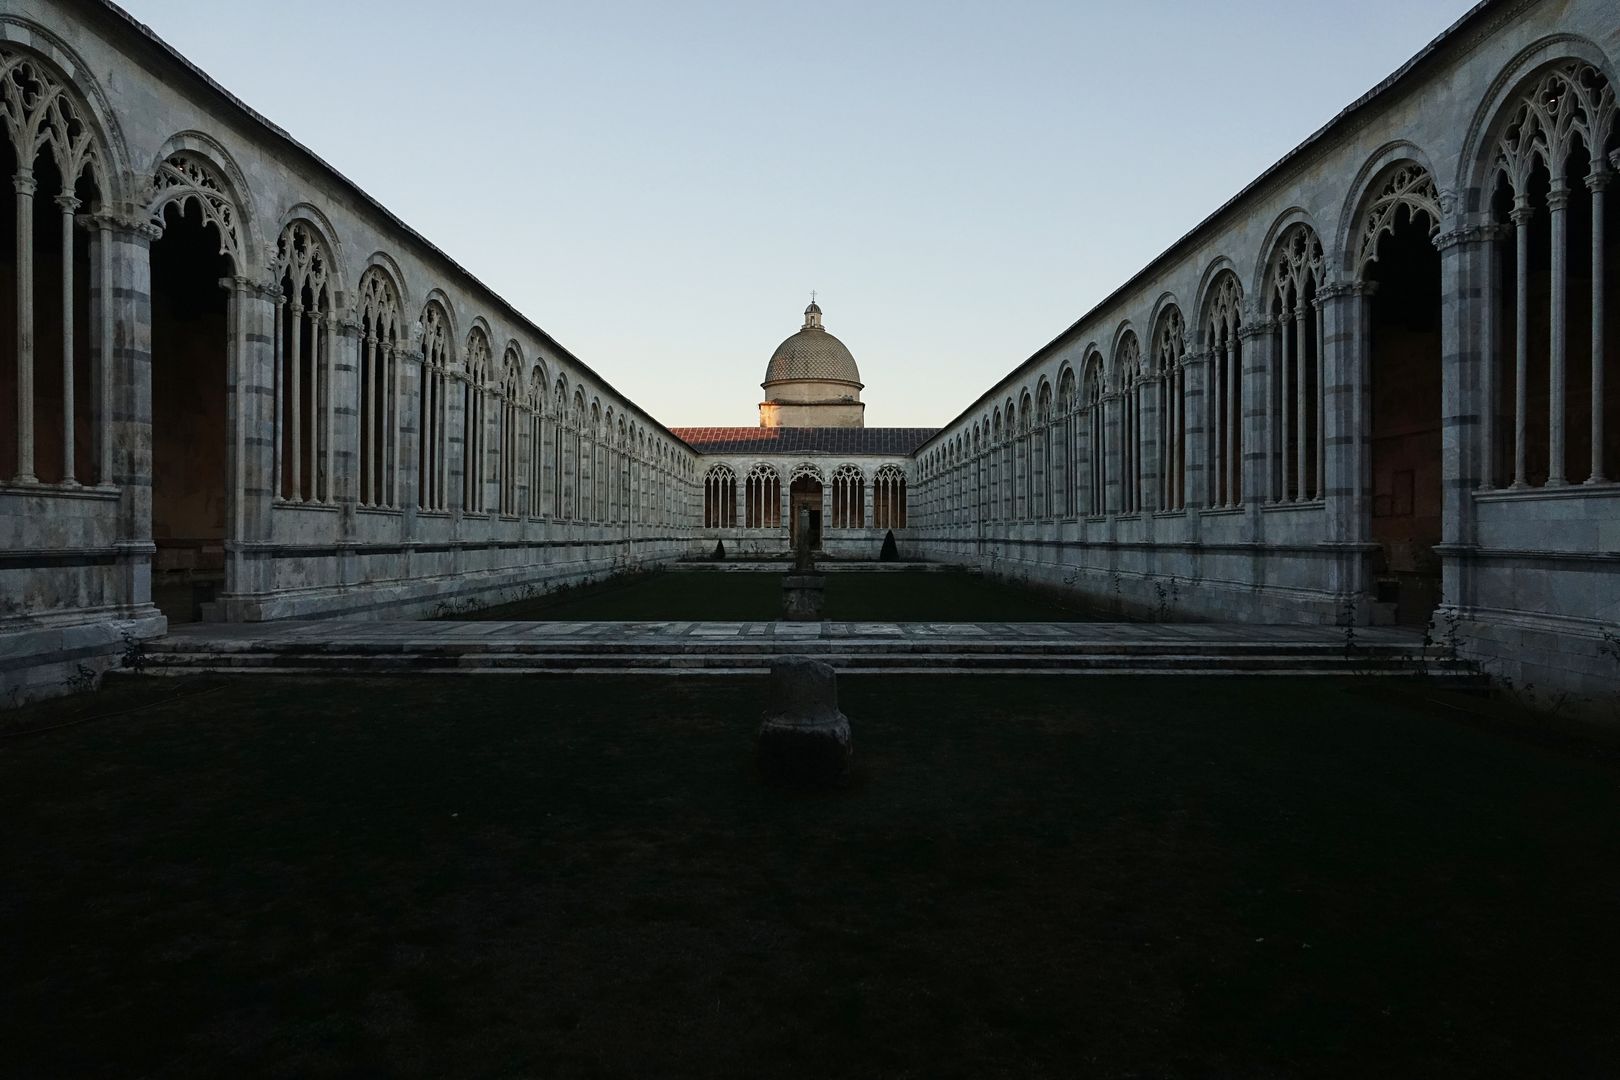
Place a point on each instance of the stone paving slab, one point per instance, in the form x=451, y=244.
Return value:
x=338, y=632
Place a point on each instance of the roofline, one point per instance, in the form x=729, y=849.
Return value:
x=433, y=250
x=1226, y=208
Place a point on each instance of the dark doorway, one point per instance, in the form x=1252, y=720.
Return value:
x=1405, y=441
x=805, y=494
x=188, y=414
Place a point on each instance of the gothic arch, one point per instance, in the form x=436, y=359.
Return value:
x=27, y=36
x=193, y=166
x=1370, y=179
x=1405, y=184
x=1167, y=301
x=478, y=356
x=315, y=218
x=1125, y=331
x=1284, y=224
x=1476, y=165
x=386, y=263
x=1207, y=284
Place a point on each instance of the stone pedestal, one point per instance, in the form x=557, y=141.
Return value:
x=802, y=597
x=804, y=739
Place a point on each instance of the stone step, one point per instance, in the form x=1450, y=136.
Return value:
x=425, y=661
x=349, y=645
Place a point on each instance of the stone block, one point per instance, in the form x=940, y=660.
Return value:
x=804, y=739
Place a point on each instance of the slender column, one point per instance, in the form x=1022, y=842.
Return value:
x=1522, y=212
x=1558, y=206
x=69, y=472
x=1301, y=401
x=23, y=183
x=295, y=399
x=1597, y=182
x=1276, y=422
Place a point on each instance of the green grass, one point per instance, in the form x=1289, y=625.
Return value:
x=718, y=596
x=581, y=878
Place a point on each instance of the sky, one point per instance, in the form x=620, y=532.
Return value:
x=661, y=184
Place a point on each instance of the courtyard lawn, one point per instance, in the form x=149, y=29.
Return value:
x=490, y=876
x=743, y=596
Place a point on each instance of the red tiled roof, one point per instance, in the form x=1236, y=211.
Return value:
x=803, y=440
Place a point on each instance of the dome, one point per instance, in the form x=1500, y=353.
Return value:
x=812, y=353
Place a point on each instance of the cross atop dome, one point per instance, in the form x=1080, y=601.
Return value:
x=812, y=314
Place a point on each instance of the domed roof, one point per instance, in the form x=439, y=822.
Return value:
x=812, y=353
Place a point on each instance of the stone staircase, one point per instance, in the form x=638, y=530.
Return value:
x=750, y=648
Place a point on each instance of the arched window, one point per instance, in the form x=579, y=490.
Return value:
x=1096, y=438
x=1169, y=346
x=535, y=399
x=1295, y=445
x=993, y=452
x=378, y=370
x=432, y=470
x=1068, y=477
x=304, y=333
x=511, y=425
x=1556, y=366
x=1128, y=365
x=720, y=498
x=763, y=498
x=574, y=501
x=559, y=449
x=475, y=423
x=1009, y=471
x=1222, y=321
x=849, y=498
x=889, y=498
x=57, y=437
x=1023, y=467
x=1042, y=464
x=596, y=478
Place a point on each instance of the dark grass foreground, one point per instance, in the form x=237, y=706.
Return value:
x=739, y=596
x=1030, y=878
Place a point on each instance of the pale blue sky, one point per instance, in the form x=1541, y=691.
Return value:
x=660, y=185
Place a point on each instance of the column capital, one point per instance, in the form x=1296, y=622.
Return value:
x=1558, y=197
x=1256, y=328
x=1522, y=211
x=23, y=183
x=1599, y=177
x=1468, y=234
x=68, y=202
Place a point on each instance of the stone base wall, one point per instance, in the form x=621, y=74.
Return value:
x=66, y=653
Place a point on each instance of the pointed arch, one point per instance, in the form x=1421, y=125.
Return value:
x=380, y=345
x=437, y=361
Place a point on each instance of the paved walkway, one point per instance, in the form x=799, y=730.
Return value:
x=678, y=647
x=338, y=632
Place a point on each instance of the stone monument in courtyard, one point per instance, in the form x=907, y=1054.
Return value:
x=804, y=589
x=804, y=738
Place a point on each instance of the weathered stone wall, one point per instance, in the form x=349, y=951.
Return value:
x=186, y=413
x=1525, y=565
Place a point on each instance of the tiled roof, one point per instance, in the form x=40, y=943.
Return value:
x=803, y=440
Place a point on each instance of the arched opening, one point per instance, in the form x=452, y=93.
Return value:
x=804, y=496
x=189, y=431
x=48, y=389
x=1404, y=437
